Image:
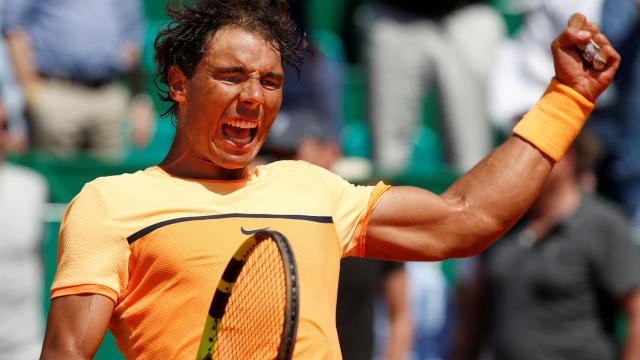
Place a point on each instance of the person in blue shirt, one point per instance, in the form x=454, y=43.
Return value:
x=69, y=57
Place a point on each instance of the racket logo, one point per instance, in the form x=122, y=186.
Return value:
x=251, y=232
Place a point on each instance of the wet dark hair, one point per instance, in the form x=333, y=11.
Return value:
x=184, y=41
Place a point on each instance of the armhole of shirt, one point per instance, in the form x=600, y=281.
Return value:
x=361, y=232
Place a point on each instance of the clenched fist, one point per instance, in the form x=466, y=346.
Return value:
x=570, y=66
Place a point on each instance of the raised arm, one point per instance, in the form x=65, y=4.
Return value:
x=76, y=326
x=414, y=224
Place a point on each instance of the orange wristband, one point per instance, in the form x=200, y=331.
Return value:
x=556, y=120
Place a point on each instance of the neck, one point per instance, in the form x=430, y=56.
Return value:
x=182, y=162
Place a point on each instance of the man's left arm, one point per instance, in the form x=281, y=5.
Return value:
x=414, y=224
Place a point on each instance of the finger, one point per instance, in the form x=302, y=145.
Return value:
x=601, y=58
x=574, y=34
x=570, y=38
x=591, y=27
x=601, y=40
x=592, y=51
x=575, y=28
x=576, y=21
x=612, y=58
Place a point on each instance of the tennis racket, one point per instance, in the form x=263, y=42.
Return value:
x=254, y=311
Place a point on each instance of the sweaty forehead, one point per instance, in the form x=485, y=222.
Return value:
x=237, y=47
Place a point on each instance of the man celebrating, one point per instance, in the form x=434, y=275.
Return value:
x=137, y=248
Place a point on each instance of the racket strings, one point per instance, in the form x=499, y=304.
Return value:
x=254, y=317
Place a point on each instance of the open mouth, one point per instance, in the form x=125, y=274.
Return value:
x=239, y=132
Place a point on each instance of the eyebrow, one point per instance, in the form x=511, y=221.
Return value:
x=240, y=69
x=274, y=75
x=230, y=69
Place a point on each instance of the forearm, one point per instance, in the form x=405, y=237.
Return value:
x=498, y=191
x=491, y=197
x=411, y=224
x=22, y=58
x=495, y=194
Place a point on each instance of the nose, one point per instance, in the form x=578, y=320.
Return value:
x=252, y=93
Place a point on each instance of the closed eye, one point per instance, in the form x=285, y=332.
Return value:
x=271, y=84
x=230, y=75
x=231, y=79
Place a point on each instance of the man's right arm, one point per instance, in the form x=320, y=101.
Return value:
x=76, y=326
x=414, y=224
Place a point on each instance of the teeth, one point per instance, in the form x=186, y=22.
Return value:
x=242, y=124
x=238, y=141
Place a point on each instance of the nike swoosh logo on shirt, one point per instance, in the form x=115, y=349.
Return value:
x=251, y=232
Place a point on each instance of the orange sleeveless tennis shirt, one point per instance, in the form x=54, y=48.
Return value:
x=157, y=245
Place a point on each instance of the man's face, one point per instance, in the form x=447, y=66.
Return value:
x=230, y=102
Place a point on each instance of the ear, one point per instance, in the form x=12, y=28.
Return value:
x=177, y=84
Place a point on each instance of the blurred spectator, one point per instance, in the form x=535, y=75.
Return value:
x=13, y=103
x=552, y=287
x=619, y=123
x=69, y=56
x=362, y=281
x=432, y=309
x=310, y=121
x=22, y=198
x=413, y=44
x=523, y=64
